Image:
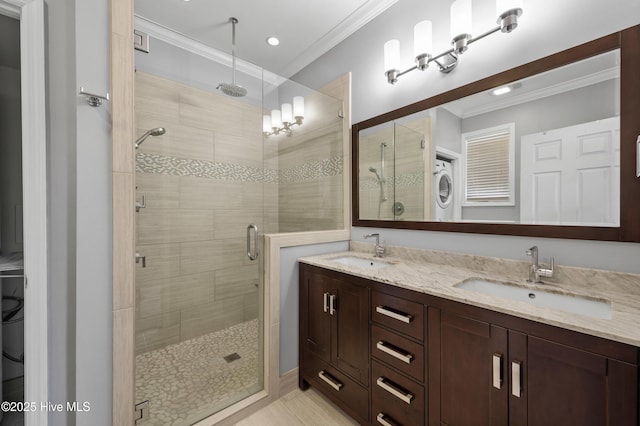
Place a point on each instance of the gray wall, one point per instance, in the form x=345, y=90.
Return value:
x=543, y=31
x=578, y=106
x=79, y=177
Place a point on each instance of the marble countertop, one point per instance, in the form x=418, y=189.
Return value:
x=412, y=272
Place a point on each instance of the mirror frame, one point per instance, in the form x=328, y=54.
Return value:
x=628, y=41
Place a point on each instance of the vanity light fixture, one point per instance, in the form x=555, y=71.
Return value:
x=281, y=120
x=461, y=38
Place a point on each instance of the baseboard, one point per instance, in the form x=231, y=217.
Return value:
x=288, y=382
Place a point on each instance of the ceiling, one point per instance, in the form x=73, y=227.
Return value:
x=306, y=29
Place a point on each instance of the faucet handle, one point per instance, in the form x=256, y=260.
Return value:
x=547, y=273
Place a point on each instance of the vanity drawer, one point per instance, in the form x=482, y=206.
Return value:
x=398, y=314
x=337, y=386
x=395, y=399
x=397, y=351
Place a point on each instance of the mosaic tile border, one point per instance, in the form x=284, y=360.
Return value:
x=160, y=164
x=402, y=181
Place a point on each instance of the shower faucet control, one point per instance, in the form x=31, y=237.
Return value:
x=379, y=247
x=143, y=258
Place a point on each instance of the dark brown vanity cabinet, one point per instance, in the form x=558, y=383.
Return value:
x=487, y=374
x=334, y=338
x=392, y=356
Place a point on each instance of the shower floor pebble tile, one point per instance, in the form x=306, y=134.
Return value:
x=188, y=381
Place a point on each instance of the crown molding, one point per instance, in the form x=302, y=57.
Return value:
x=184, y=42
x=339, y=33
x=555, y=89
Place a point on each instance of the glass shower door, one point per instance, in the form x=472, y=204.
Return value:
x=199, y=295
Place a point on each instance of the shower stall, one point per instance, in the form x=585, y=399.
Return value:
x=209, y=184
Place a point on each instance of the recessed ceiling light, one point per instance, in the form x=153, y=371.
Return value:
x=273, y=41
x=501, y=91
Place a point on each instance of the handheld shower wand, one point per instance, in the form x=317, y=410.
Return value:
x=153, y=132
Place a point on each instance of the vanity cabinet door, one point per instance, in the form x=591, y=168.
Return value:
x=564, y=385
x=351, y=318
x=467, y=371
x=315, y=320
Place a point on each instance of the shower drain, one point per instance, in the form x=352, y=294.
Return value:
x=232, y=357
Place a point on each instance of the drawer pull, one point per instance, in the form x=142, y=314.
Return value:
x=404, y=357
x=394, y=390
x=383, y=310
x=516, y=389
x=497, y=371
x=386, y=420
x=330, y=380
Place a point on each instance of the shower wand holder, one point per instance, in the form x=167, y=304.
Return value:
x=93, y=99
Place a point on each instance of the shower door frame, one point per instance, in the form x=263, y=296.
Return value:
x=123, y=178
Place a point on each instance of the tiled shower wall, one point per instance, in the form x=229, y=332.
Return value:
x=205, y=180
x=408, y=171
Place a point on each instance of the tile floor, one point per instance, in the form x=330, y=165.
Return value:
x=191, y=380
x=299, y=408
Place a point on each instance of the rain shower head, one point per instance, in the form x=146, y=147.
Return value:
x=233, y=89
x=153, y=132
x=373, y=169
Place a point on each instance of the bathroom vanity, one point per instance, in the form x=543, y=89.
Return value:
x=400, y=342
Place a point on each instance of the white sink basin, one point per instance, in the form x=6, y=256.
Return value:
x=563, y=302
x=361, y=262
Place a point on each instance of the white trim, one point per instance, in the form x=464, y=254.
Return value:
x=454, y=158
x=556, y=89
x=190, y=45
x=353, y=23
x=507, y=127
x=34, y=184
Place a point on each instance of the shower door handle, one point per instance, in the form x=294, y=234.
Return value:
x=252, y=255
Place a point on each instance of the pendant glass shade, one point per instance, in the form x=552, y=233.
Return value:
x=461, y=19
x=298, y=106
x=392, y=55
x=287, y=113
x=276, y=118
x=266, y=123
x=422, y=38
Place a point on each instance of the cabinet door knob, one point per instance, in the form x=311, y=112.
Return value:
x=497, y=371
x=326, y=302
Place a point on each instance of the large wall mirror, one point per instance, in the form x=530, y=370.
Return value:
x=546, y=149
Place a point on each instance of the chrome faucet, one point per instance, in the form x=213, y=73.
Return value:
x=379, y=248
x=535, y=271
